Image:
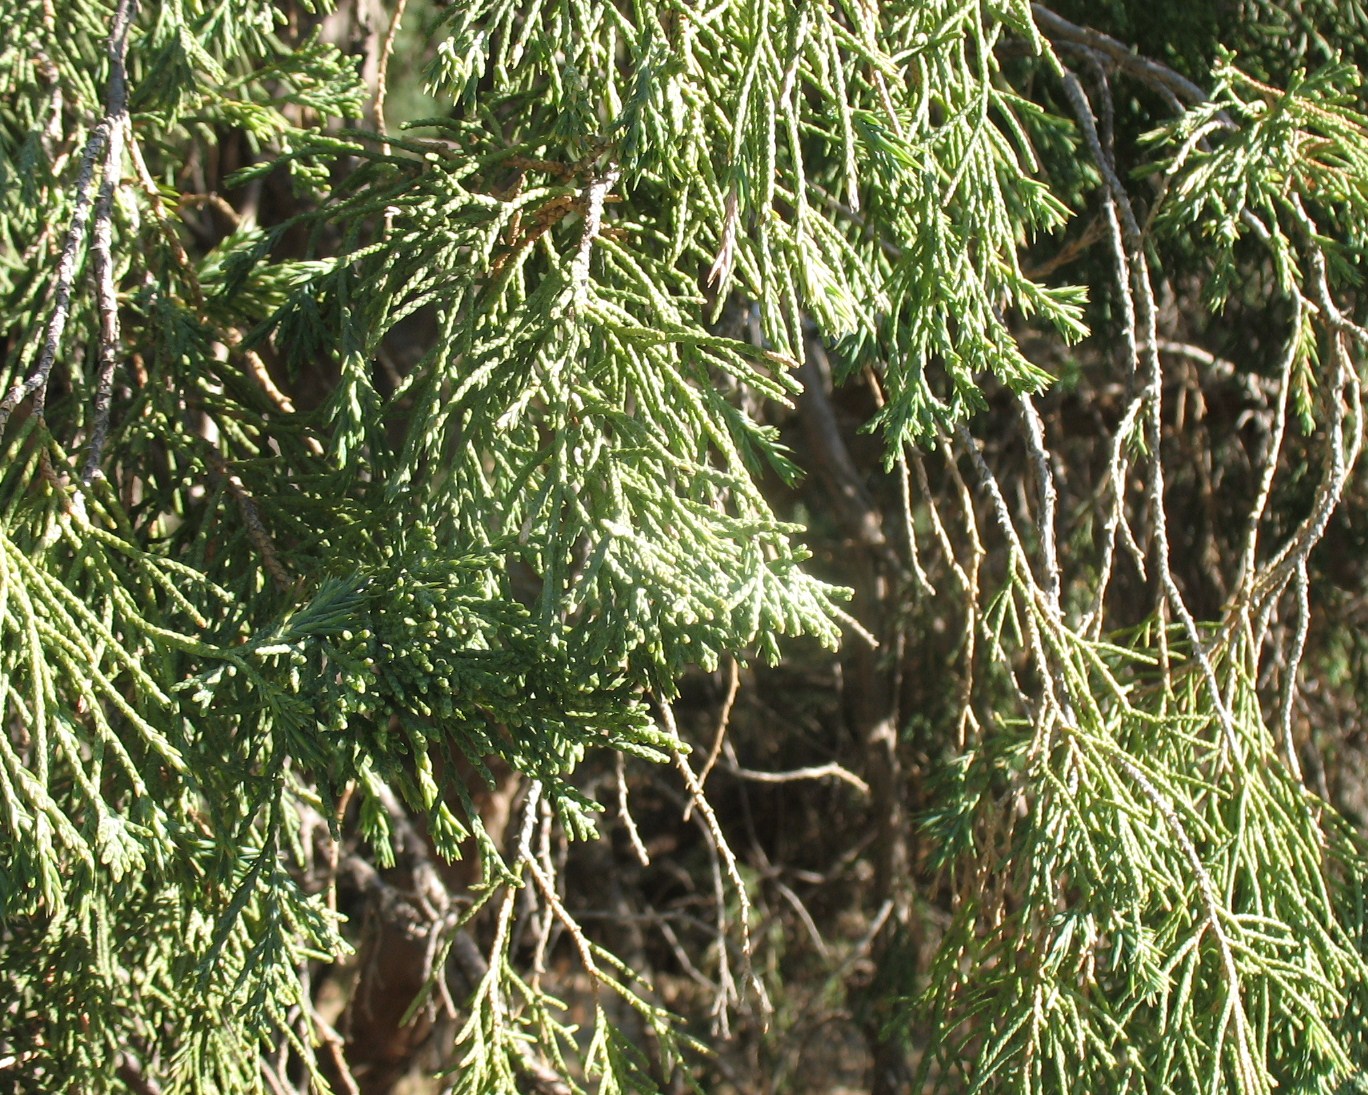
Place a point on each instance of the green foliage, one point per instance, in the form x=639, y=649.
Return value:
x=224, y=619
x=1291, y=155
x=865, y=171
x=1177, y=929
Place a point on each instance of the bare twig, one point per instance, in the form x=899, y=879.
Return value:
x=720, y=734
x=256, y=528
x=1294, y=657
x=382, y=71
x=625, y=812
x=336, y=1048
x=1147, y=344
x=830, y=770
x=594, y=197
x=909, y=524
x=1122, y=56
x=1247, y=566
x=115, y=116
x=724, y=852
x=995, y=496
x=1343, y=451
x=36, y=384
x=1045, y=483
x=547, y=887
x=335, y=843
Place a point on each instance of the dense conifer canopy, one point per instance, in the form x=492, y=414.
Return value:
x=374, y=476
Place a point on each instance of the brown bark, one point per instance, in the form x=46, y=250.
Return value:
x=406, y=909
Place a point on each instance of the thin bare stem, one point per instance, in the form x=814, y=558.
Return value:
x=720, y=734
x=1045, y=483
x=101, y=138
x=725, y=853
x=382, y=71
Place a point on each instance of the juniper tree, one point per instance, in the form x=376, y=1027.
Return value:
x=349, y=467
